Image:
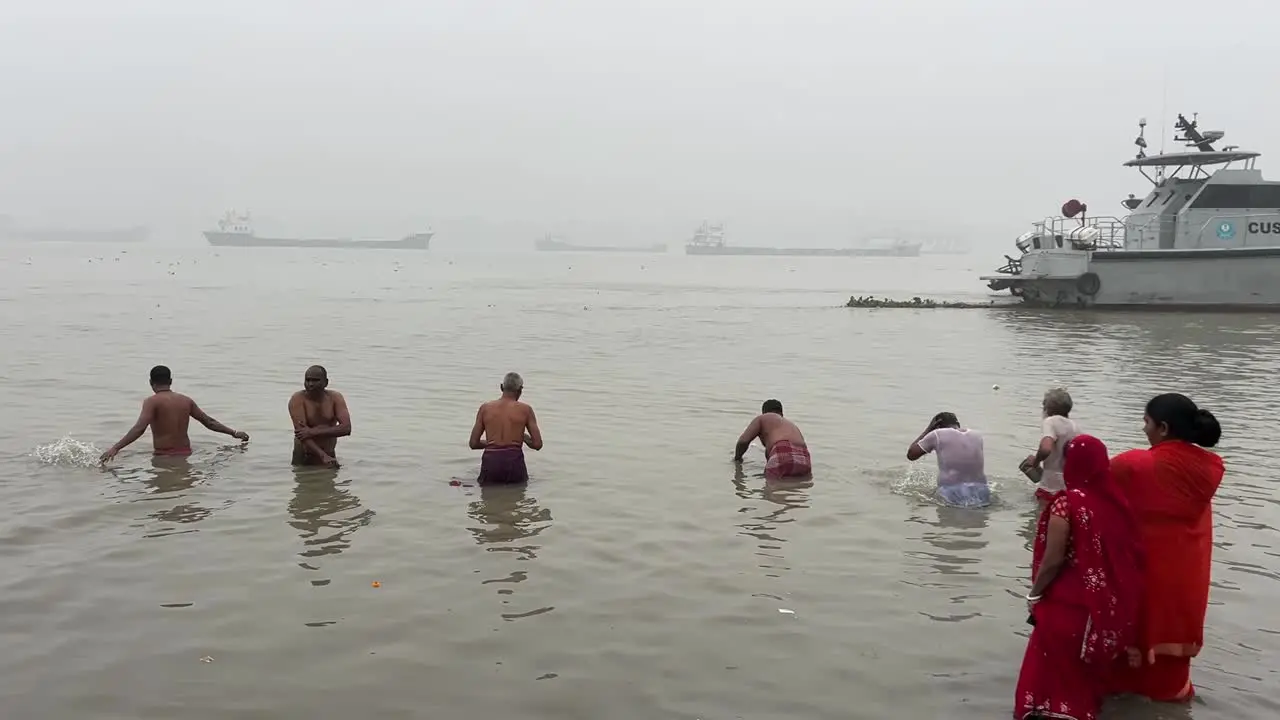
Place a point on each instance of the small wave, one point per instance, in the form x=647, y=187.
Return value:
x=68, y=452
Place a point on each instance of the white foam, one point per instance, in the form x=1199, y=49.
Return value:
x=67, y=452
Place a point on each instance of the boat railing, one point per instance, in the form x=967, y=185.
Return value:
x=1103, y=231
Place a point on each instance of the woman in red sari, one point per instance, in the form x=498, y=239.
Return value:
x=1084, y=601
x=1170, y=488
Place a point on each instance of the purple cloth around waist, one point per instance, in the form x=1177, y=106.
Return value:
x=503, y=465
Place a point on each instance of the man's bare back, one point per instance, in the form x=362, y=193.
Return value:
x=505, y=422
x=168, y=414
x=771, y=428
x=774, y=429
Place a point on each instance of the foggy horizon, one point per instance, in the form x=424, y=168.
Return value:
x=495, y=123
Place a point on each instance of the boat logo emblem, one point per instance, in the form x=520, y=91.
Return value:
x=1226, y=231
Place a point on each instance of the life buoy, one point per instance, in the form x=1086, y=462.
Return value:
x=1089, y=284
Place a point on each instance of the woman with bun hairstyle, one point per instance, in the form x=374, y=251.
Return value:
x=1170, y=488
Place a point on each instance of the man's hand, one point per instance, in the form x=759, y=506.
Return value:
x=304, y=433
x=1032, y=460
x=108, y=455
x=330, y=462
x=240, y=435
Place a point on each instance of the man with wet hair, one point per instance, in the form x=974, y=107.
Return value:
x=168, y=414
x=787, y=456
x=502, y=428
x=320, y=417
x=962, y=478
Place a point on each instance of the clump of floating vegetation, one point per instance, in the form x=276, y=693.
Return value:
x=915, y=302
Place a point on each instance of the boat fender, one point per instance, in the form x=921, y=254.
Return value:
x=1089, y=284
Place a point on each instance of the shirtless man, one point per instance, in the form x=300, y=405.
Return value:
x=168, y=414
x=319, y=418
x=786, y=454
x=503, y=427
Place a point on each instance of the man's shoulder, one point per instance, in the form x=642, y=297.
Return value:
x=298, y=395
x=169, y=398
x=334, y=395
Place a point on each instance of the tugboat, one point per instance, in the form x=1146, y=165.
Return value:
x=1207, y=236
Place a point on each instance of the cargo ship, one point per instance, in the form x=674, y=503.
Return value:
x=550, y=243
x=11, y=231
x=709, y=239
x=236, y=230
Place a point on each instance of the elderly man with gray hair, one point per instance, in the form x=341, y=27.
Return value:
x=1056, y=431
x=503, y=427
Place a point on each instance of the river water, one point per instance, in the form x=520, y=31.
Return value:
x=638, y=575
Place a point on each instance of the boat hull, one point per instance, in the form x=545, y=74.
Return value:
x=1247, y=278
x=419, y=241
x=897, y=251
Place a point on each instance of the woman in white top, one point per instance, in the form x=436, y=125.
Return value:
x=962, y=480
x=1056, y=431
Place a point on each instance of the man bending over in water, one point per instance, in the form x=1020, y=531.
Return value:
x=168, y=414
x=320, y=417
x=506, y=425
x=786, y=454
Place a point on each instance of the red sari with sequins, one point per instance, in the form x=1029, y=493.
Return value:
x=1088, y=615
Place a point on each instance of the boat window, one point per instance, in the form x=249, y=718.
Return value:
x=1265, y=196
x=1154, y=196
x=1170, y=197
x=1238, y=196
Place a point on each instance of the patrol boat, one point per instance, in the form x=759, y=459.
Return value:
x=1207, y=236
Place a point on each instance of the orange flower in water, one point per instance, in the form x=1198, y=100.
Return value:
x=377, y=584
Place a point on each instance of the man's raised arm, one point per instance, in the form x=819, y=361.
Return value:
x=534, y=439
x=477, y=431
x=135, y=432
x=203, y=418
x=746, y=438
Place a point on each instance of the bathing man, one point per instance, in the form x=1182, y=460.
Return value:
x=503, y=427
x=786, y=454
x=168, y=414
x=320, y=417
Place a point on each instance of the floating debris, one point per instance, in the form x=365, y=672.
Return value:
x=915, y=302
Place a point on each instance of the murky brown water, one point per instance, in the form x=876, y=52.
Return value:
x=638, y=576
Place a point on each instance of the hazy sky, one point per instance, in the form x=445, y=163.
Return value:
x=494, y=122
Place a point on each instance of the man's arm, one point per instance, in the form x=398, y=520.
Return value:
x=1049, y=438
x=135, y=432
x=341, y=414
x=746, y=438
x=477, y=431
x=534, y=438
x=926, y=443
x=203, y=418
x=298, y=414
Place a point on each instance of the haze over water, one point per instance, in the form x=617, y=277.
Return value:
x=638, y=575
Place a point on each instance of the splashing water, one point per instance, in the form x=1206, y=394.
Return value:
x=921, y=483
x=68, y=452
